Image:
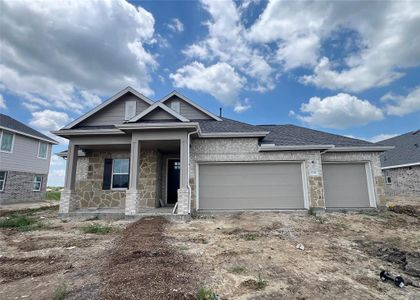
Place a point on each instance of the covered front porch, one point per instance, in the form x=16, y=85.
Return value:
x=142, y=174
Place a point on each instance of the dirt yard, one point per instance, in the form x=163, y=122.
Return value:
x=239, y=256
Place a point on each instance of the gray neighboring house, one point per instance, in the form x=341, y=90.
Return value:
x=24, y=162
x=401, y=165
x=131, y=155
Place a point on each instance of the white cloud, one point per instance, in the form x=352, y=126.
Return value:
x=388, y=33
x=57, y=171
x=241, y=107
x=63, y=55
x=339, y=111
x=402, y=105
x=220, y=80
x=48, y=119
x=2, y=102
x=226, y=42
x=176, y=25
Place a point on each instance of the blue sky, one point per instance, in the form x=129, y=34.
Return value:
x=351, y=68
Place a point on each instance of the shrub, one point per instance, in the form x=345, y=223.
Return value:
x=261, y=283
x=183, y=247
x=60, y=292
x=97, y=228
x=206, y=294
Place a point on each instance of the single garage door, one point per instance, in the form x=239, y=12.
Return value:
x=345, y=185
x=242, y=186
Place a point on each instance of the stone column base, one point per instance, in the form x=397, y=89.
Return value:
x=183, y=201
x=67, y=202
x=132, y=202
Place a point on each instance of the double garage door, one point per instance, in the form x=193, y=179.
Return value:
x=242, y=186
x=253, y=186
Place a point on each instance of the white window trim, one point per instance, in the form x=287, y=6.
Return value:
x=176, y=106
x=386, y=179
x=1, y=141
x=112, y=175
x=4, y=180
x=39, y=147
x=40, y=183
x=126, y=117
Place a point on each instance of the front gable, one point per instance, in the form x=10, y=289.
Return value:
x=112, y=111
x=187, y=108
x=158, y=112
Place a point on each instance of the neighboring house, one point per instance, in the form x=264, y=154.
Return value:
x=132, y=154
x=24, y=162
x=401, y=165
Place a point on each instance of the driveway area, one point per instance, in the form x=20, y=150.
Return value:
x=237, y=256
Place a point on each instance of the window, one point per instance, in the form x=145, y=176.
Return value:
x=7, y=139
x=37, y=183
x=3, y=176
x=388, y=179
x=176, y=106
x=120, y=173
x=42, y=150
x=130, y=109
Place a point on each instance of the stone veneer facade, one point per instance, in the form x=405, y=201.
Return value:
x=405, y=182
x=19, y=188
x=89, y=180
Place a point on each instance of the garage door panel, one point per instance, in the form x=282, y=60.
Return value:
x=250, y=186
x=345, y=185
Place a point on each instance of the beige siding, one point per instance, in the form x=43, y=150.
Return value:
x=115, y=112
x=24, y=157
x=187, y=110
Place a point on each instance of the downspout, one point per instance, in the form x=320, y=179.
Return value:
x=188, y=170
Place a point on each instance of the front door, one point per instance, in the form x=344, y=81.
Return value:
x=174, y=166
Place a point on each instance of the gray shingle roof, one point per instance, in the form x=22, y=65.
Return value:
x=406, y=151
x=284, y=135
x=12, y=124
x=227, y=125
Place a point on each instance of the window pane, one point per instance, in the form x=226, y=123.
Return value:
x=2, y=175
x=6, y=141
x=121, y=166
x=1, y=185
x=119, y=181
x=38, y=178
x=37, y=186
x=43, y=150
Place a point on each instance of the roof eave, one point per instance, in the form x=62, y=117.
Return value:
x=401, y=166
x=146, y=126
x=51, y=141
x=273, y=147
x=70, y=132
x=361, y=149
x=232, y=134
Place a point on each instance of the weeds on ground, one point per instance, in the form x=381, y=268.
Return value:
x=250, y=237
x=60, y=292
x=311, y=211
x=206, y=294
x=320, y=220
x=22, y=223
x=97, y=228
x=183, y=247
x=261, y=282
x=237, y=270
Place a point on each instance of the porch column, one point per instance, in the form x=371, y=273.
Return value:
x=183, y=192
x=68, y=197
x=132, y=196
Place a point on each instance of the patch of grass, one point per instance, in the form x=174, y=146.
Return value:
x=183, y=247
x=261, y=282
x=205, y=293
x=237, y=270
x=53, y=195
x=311, y=211
x=250, y=237
x=22, y=222
x=60, y=292
x=320, y=220
x=97, y=229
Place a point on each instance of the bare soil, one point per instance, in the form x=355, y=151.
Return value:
x=229, y=254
